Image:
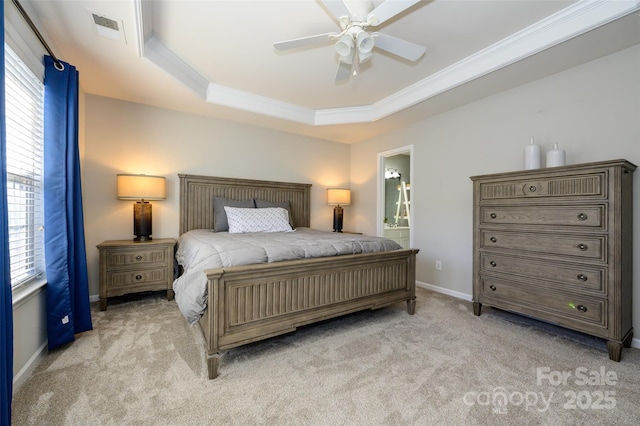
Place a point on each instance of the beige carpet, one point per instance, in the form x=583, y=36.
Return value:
x=142, y=365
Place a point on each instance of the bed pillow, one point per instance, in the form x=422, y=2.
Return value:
x=220, y=223
x=271, y=219
x=261, y=204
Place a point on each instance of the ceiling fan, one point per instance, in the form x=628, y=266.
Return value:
x=354, y=44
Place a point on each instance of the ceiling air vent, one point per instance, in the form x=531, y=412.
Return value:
x=107, y=27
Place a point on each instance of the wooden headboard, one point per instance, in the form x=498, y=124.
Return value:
x=197, y=192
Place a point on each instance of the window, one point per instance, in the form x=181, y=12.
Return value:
x=24, y=104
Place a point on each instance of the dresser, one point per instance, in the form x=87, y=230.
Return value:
x=555, y=244
x=128, y=266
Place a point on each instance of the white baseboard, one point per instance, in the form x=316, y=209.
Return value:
x=453, y=293
x=635, y=342
x=27, y=369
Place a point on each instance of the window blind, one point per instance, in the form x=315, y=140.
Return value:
x=24, y=105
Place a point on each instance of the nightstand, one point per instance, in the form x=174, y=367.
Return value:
x=128, y=266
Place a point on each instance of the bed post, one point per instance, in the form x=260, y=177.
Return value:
x=214, y=278
x=411, y=282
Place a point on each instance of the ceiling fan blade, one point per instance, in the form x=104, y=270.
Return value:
x=337, y=8
x=304, y=41
x=404, y=49
x=388, y=10
x=344, y=71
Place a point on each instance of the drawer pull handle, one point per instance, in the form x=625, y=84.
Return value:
x=582, y=216
x=583, y=247
x=532, y=188
x=492, y=287
x=582, y=277
x=138, y=277
x=138, y=258
x=493, y=215
x=493, y=239
x=581, y=308
x=493, y=263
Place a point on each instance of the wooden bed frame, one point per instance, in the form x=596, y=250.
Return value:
x=251, y=303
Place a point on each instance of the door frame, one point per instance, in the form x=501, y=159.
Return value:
x=381, y=188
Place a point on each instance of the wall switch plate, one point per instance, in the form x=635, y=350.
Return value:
x=438, y=265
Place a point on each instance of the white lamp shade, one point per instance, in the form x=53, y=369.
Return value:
x=141, y=187
x=365, y=42
x=344, y=45
x=338, y=196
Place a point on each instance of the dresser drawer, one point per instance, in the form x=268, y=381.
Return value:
x=564, y=305
x=117, y=259
x=575, y=185
x=580, y=247
x=590, y=217
x=564, y=276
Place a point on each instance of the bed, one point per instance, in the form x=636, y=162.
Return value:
x=250, y=303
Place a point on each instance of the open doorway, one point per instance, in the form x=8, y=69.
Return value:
x=394, y=195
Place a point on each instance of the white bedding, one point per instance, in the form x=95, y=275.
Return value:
x=202, y=249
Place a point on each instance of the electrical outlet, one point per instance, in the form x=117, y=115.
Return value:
x=438, y=265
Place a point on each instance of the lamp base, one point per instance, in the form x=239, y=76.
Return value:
x=337, y=219
x=142, y=221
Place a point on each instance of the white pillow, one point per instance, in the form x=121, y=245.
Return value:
x=270, y=219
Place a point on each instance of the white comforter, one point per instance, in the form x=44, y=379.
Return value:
x=202, y=249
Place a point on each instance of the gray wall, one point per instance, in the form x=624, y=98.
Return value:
x=593, y=111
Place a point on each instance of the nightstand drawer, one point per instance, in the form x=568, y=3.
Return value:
x=136, y=277
x=139, y=257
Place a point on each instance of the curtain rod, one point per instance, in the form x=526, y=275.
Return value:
x=56, y=61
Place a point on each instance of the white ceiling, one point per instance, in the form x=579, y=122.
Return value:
x=216, y=58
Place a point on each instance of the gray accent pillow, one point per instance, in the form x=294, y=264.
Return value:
x=284, y=204
x=220, y=223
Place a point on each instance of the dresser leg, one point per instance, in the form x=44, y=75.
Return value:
x=615, y=350
x=170, y=295
x=477, y=307
x=103, y=304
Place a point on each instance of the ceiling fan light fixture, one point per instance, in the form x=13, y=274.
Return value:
x=346, y=59
x=365, y=42
x=363, y=57
x=344, y=45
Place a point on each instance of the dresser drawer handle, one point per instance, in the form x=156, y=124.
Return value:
x=532, y=188
x=581, y=308
x=493, y=239
x=583, y=247
x=493, y=263
x=493, y=215
x=138, y=277
x=492, y=287
x=138, y=258
x=582, y=277
x=582, y=216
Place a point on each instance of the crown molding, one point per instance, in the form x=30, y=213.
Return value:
x=577, y=19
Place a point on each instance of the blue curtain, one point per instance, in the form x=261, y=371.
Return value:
x=6, y=306
x=68, y=310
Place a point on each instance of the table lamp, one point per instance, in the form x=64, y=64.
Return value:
x=338, y=197
x=141, y=189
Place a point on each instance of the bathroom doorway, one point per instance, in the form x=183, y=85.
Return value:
x=394, y=195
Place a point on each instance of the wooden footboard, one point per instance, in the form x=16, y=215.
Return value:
x=251, y=303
